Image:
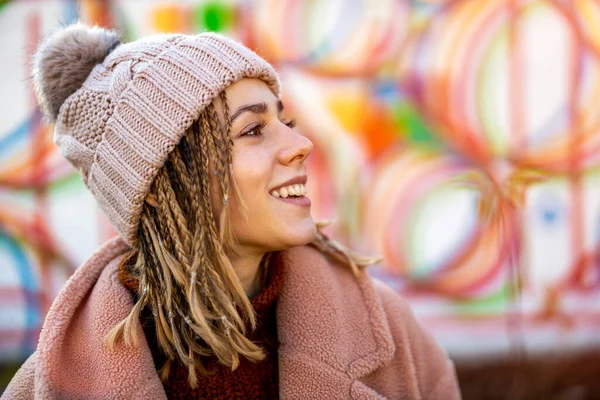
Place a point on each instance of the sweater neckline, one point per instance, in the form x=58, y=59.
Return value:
x=264, y=301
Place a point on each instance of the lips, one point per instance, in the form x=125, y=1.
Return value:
x=292, y=191
x=299, y=201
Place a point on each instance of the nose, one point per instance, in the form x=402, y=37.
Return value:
x=296, y=148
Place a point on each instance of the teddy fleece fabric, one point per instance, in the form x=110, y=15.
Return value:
x=339, y=338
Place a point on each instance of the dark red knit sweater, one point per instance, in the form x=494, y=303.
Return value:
x=250, y=380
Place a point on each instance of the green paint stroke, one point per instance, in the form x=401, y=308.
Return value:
x=496, y=302
x=3, y=4
x=67, y=183
x=490, y=73
x=126, y=28
x=408, y=120
x=214, y=16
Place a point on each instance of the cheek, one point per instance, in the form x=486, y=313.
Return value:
x=252, y=180
x=252, y=171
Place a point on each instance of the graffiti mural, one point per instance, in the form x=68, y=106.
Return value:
x=460, y=140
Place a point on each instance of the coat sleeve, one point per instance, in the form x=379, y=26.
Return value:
x=432, y=370
x=22, y=386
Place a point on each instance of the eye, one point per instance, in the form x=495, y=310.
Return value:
x=256, y=130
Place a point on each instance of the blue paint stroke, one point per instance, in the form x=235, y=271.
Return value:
x=21, y=133
x=71, y=12
x=30, y=288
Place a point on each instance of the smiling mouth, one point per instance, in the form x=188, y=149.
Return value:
x=292, y=194
x=291, y=191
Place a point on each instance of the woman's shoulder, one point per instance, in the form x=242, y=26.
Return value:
x=340, y=279
x=434, y=372
x=357, y=324
x=72, y=355
x=85, y=291
x=89, y=272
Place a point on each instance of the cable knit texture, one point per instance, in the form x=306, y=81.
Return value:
x=120, y=124
x=250, y=381
x=339, y=338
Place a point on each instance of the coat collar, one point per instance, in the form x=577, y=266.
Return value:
x=73, y=360
x=331, y=326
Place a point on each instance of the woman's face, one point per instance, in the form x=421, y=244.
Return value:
x=269, y=166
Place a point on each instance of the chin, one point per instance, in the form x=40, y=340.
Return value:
x=302, y=235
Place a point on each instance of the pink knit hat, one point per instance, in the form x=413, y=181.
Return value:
x=119, y=109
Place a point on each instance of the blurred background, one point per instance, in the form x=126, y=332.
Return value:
x=458, y=139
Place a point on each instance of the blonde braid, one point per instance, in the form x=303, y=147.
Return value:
x=200, y=261
x=171, y=211
x=229, y=154
x=176, y=159
x=219, y=292
x=214, y=131
x=155, y=278
x=223, y=168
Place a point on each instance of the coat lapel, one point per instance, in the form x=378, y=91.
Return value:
x=73, y=360
x=331, y=326
x=332, y=329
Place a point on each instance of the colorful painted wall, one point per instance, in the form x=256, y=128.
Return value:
x=458, y=139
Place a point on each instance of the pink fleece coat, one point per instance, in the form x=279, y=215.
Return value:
x=340, y=338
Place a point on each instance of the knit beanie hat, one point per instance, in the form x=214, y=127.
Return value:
x=120, y=109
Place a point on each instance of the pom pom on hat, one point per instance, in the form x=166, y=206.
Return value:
x=64, y=61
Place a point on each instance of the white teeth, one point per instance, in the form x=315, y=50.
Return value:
x=292, y=190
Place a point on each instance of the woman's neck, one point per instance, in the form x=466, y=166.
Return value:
x=247, y=268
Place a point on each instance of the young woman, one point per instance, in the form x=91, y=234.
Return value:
x=220, y=284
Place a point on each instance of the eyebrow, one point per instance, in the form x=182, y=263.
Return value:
x=258, y=108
